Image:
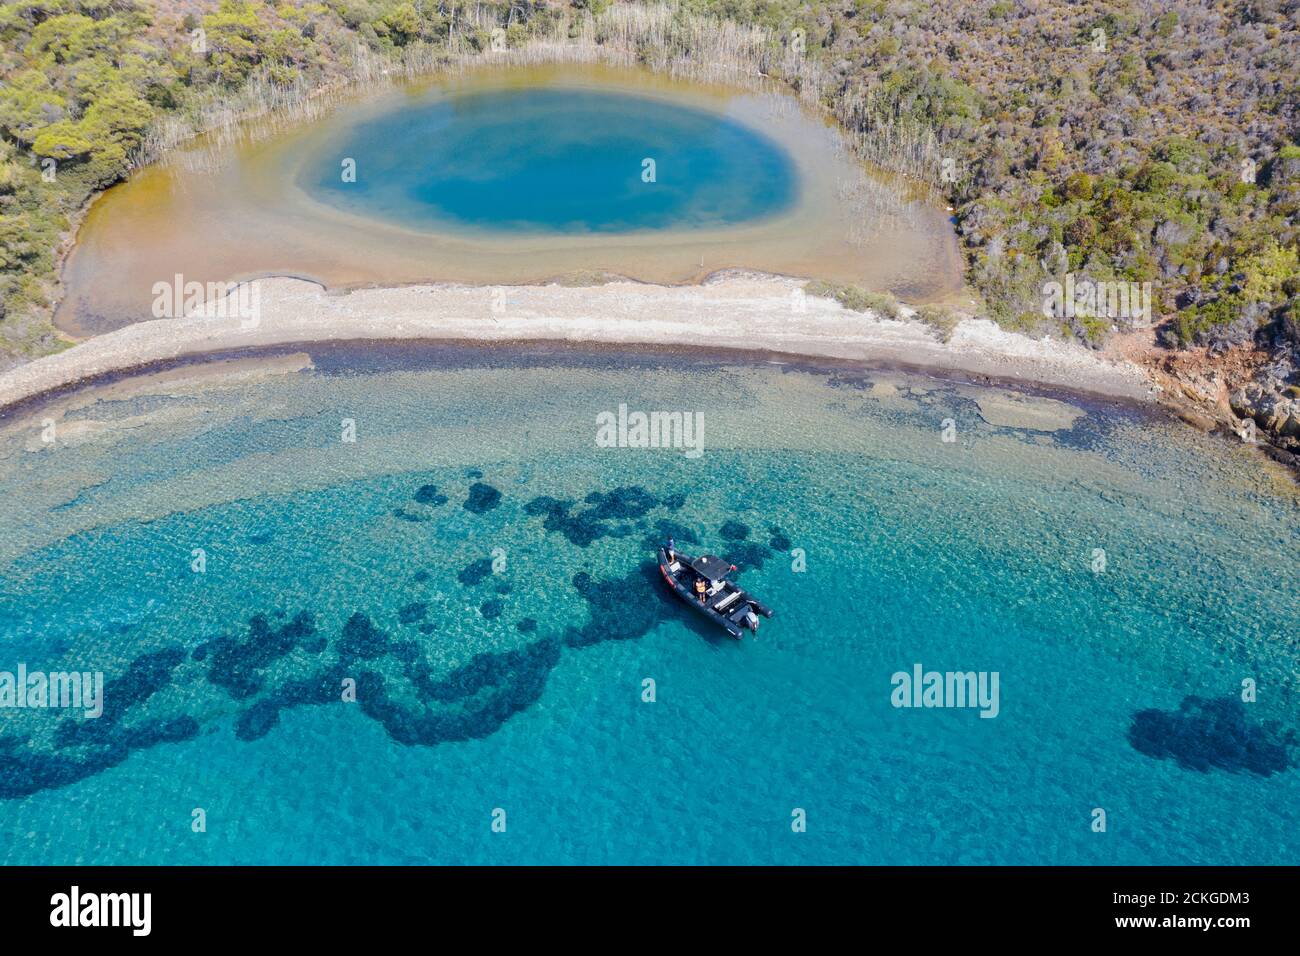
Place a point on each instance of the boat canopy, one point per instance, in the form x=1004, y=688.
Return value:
x=711, y=567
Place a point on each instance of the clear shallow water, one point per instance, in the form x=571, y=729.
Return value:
x=973, y=556
x=554, y=160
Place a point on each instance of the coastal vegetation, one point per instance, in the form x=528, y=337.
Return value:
x=1098, y=138
x=857, y=299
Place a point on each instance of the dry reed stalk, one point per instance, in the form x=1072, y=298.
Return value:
x=661, y=37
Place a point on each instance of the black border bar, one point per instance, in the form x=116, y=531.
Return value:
x=329, y=906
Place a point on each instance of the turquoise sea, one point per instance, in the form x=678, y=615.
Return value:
x=480, y=569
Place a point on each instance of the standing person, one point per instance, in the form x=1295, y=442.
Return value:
x=672, y=550
x=700, y=589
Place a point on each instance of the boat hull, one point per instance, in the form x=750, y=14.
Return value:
x=684, y=594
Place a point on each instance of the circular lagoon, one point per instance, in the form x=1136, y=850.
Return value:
x=553, y=161
x=512, y=177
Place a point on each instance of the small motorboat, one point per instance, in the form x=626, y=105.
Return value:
x=702, y=583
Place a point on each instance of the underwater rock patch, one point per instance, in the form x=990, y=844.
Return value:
x=23, y=774
x=631, y=501
x=235, y=664
x=475, y=572
x=492, y=688
x=321, y=688
x=482, y=498
x=472, y=701
x=413, y=612
x=405, y=651
x=1213, y=733
x=734, y=530
x=361, y=639
x=613, y=617
x=258, y=720
x=577, y=530
x=665, y=529
x=584, y=526
x=428, y=495
x=747, y=554
x=104, y=742
x=144, y=677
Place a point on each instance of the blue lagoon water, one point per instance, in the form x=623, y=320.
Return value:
x=519, y=686
x=561, y=161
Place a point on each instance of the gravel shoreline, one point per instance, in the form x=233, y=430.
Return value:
x=745, y=312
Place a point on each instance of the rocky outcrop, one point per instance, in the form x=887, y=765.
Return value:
x=1273, y=407
x=1270, y=400
x=1247, y=391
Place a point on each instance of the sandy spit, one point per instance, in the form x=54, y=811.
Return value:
x=734, y=311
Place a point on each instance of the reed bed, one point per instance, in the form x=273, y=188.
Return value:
x=661, y=37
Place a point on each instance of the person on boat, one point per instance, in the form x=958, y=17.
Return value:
x=700, y=588
x=672, y=550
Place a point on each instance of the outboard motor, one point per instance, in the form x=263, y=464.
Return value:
x=751, y=619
